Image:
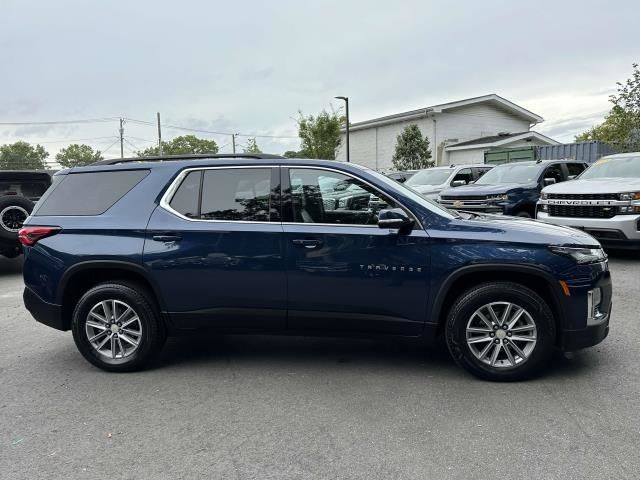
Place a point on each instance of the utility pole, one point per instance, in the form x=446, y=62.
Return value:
x=346, y=102
x=121, y=138
x=233, y=141
x=159, y=135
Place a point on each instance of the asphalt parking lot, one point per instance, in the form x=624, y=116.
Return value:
x=256, y=407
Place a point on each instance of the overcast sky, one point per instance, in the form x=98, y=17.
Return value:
x=249, y=66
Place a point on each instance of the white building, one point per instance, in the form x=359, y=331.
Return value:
x=459, y=132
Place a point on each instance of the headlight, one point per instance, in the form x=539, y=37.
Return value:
x=544, y=196
x=629, y=196
x=580, y=255
x=495, y=198
x=342, y=203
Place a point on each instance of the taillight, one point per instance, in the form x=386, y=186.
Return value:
x=28, y=236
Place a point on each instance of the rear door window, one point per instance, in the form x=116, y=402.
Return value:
x=238, y=194
x=186, y=199
x=90, y=193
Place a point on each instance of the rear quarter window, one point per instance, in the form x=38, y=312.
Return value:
x=90, y=193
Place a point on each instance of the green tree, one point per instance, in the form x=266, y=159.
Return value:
x=621, y=126
x=290, y=154
x=182, y=145
x=412, y=150
x=78, y=155
x=320, y=136
x=252, y=146
x=22, y=156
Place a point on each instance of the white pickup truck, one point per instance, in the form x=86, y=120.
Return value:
x=604, y=201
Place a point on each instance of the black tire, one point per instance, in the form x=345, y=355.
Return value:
x=12, y=209
x=472, y=300
x=153, y=332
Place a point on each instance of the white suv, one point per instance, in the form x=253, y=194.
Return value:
x=604, y=201
x=431, y=181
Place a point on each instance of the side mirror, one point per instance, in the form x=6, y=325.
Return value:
x=458, y=183
x=549, y=181
x=394, y=218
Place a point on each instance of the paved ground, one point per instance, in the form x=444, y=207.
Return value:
x=313, y=408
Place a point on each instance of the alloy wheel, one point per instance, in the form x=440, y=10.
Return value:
x=501, y=334
x=113, y=329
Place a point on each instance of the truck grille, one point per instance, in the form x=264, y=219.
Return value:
x=582, y=196
x=583, y=211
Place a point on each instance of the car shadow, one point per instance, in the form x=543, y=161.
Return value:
x=10, y=266
x=302, y=351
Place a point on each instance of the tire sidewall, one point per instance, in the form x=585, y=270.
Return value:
x=473, y=300
x=13, y=201
x=146, y=313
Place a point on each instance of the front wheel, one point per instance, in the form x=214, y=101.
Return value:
x=116, y=326
x=501, y=331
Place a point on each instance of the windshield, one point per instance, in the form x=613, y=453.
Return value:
x=430, y=177
x=511, y=173
x=628, y=167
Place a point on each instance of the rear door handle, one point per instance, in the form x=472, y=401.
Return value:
x=307, y=242
x=167, y=237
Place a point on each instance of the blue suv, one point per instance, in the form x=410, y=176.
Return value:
x=124, y=253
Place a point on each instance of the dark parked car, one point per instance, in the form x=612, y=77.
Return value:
x=19, y=190
x=402, y=176
x=245, y=245
x=511, y=188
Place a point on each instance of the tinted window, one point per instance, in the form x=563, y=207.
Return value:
x=464, y=175
x=186, y=198
x=350, y=202
x=237, y=194
x=555, y=172
x=91, y=193
x=575, y=169
x=482, y=171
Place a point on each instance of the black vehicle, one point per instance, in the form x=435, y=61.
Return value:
x=402, y=176
x=19, y=190
x=511, y=188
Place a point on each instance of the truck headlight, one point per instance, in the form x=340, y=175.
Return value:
x=544, y=196
x=579, y=254
x=497, y=198
x=629, y=196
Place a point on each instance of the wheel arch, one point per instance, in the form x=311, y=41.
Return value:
x=538, y=280
x=84, y=275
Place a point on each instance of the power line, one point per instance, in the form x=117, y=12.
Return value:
x=76, y=140
x=199, y=130
x=63, y=122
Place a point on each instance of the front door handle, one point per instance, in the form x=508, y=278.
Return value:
x=307, y=242
x=167, y=237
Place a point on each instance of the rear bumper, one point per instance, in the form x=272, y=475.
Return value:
x=47, y=313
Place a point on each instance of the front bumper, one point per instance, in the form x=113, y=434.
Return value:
x=573, y=340
x=621, y=231
x=47, y=313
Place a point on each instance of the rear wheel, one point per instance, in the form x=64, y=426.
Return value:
x=501, y=331
x=116, y=326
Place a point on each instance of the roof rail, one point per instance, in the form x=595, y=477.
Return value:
x=193, y=156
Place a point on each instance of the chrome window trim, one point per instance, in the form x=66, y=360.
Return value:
x=168, y=195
